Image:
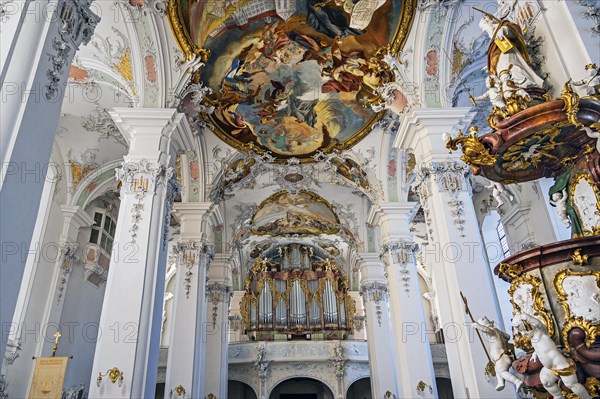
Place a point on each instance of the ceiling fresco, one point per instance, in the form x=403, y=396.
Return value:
x=304, y=213
x=291, y=77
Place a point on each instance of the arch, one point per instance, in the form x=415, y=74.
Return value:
x=444, y=388
x=240, y=389
x=359, y=389
x=289, y=381
x=95, y=184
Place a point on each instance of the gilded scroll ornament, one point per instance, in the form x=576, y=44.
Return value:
x=511, y=271
x=474, y=152
x=571, y=107
x=579, y=259
x=531, y=303
x=590, y=330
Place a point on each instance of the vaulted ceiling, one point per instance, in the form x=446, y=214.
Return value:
x=280, y=98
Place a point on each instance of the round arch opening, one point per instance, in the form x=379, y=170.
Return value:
x=301, y=388
x=238, y=389
x=360, y=389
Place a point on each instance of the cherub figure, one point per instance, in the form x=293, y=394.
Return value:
x=513, y=88
x=557, y=366
x=500, y=352
x=494, y=93
x=559, y=200
x=593, y=131
x=592, y=81
x=497, y=190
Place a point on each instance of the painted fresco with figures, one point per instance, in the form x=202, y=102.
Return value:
x=293, y=77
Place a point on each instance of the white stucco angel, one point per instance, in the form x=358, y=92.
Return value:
x=557, y=367
x=493, y=92
x=559, y=200
x=499, y=351
x=591, y=82
x=593, y=132
x=508, y=48
x=499, y=189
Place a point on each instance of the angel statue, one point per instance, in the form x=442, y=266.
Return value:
x=559, y=200
x=493, y=93
x=592, y=81
x=500, y=351
x=508, y=48
x=497, y=190
x=557, y=367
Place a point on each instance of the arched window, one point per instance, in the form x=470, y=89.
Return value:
x=103, y=230
x=503, y=240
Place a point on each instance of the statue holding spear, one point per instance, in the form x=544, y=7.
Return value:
x=500, y=350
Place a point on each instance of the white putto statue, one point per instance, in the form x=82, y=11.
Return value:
x=591, y=82
x=497, y=190
x=508, y=48
x=493, y=92
x=559, y=200
x=500, y=353
x=557, y=366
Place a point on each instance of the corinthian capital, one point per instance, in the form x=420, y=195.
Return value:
x=400, y=251
x=449, y=176
x=142, y=177
x=192, y=254
x=76, y=21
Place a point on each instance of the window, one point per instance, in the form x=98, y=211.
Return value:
x=103, y=231
x=503, y=240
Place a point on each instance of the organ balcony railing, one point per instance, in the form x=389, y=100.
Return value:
x=296, y=294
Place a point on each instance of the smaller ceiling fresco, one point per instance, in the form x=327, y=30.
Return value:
x=352, y=171
x=304, y=213
x=292, y=77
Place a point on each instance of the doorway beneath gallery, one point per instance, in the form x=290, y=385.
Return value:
x=360, y=389
x=238, y=389
x=301, y=388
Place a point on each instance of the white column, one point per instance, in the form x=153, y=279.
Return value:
x=374, y=292
x=219, y=293
x=38, y=45
x=455, y=253
x=411, y=343
x=131, y=317
x=193, y=260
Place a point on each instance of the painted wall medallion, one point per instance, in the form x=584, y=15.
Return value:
x=292, y=76
x=579, y=294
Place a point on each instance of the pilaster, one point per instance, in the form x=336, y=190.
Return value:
x=70, y=254
x=39, y=41
x=408, y=320
x=374, y=292
x=219, y=292
x=194, y=255
x=455, y=254
x=132, y=309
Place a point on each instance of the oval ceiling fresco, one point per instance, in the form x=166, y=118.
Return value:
x=292, y=76
x=303, y=213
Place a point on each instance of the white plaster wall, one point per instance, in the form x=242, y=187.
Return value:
x=80, y=328
x=494, y=252
x=36, y=339
x=429, y=326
